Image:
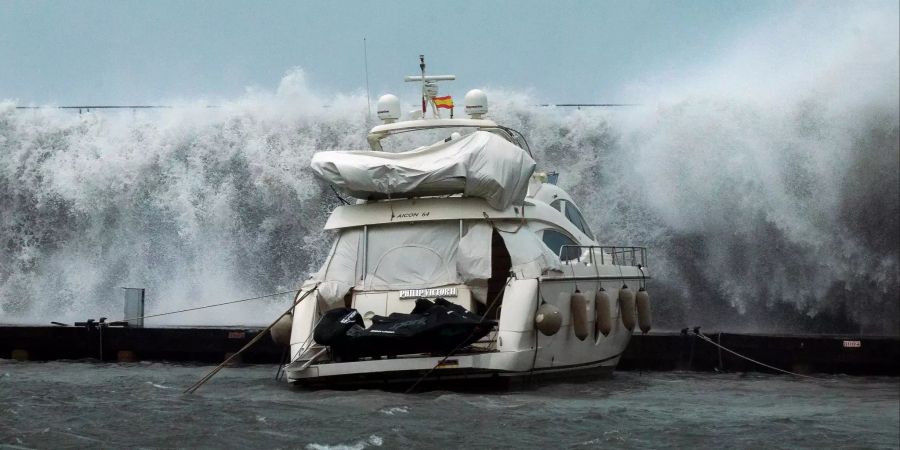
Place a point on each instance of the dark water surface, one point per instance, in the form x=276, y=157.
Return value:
x=77, y=404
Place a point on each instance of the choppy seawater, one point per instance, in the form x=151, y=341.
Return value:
x=75, y=404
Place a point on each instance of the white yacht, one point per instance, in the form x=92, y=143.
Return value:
x=459, y=262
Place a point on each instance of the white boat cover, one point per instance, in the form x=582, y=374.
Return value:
x=481, y=164
x=426, y=255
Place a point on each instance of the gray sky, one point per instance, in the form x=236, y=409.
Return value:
x=140, y=52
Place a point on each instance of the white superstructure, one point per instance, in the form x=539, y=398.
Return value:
x=466, y=218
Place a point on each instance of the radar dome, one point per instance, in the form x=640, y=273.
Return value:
x=476, y=103
x=388, y=108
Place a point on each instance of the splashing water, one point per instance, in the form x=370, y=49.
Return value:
x=766, y=186
x=196, y=204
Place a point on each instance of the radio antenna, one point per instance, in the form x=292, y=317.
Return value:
x=422, y=67
x=366, y=63
x=429, y=87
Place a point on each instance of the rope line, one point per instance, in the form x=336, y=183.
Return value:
x=538, y=302
x=707, y=339
x=486, y=311
x=208, y=306
x=444, y=359
x=306, y=344
x=253, y=341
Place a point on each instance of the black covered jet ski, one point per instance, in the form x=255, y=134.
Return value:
x=432, y=327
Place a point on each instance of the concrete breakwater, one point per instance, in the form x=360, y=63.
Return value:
x=856, y=355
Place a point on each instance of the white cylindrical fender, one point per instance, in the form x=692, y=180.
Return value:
x=281, y=331
x=548, y=319
x=626, y=307
x=602, y=315
x=642, y=301
x=578, y=303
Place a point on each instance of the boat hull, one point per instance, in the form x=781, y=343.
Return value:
x=516, y=350
x=456, y=372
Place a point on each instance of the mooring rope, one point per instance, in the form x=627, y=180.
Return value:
x=444, y=359
x=707, y=339
x=208, y=306
x=256, y=338
x=539, y=301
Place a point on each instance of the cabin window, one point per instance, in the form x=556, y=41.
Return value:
x=556, y=240
x=557, y=204
x=574, y=216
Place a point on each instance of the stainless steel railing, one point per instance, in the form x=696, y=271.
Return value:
x=608, y=254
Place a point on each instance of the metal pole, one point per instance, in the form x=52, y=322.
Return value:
x=422, y=67
x=368, y=95
x=134, y=306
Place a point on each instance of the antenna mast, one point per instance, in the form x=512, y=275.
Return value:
x=422, y=66
x=368, y=96
x=429, y=86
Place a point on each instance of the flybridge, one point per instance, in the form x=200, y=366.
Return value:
x=477, y=157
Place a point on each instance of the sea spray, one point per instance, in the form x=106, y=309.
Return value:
x=767, y=189
x=766, y=183
x=195, y=204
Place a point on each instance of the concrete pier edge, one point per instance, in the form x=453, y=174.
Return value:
x=656, y=351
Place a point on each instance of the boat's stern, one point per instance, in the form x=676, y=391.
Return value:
x=513, y=349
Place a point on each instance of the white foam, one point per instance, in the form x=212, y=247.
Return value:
x=373, y=440
x=759, y=177
x=394, y=410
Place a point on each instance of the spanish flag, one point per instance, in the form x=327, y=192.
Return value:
x=444, y=102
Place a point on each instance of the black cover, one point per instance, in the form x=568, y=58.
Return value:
x=437, y=327
x=334, y=325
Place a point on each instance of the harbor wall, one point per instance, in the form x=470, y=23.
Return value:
x=844, y=354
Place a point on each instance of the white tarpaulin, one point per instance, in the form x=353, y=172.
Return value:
x=426, y=255
x=481, y=164
x=474, y=259
x=339, y=274
x=412, y=256
x=530, y=257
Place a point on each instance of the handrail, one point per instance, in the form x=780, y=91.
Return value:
x=621, y=255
